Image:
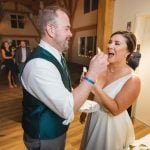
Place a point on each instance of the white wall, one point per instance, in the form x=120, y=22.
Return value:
x=137, y=11
x=127, y=10
x=81, y=19
x=142, y=110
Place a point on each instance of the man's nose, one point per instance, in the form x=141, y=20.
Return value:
x=70, y=33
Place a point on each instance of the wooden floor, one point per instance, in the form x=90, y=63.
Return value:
x=11, y=112
x=11, y=131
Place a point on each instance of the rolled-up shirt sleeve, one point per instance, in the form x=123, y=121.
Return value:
x=42, y=79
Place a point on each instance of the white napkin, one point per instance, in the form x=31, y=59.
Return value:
x=89, y=106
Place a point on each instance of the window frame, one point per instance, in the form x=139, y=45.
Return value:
x=87, y=50
x=17, y=21
x=90, y=5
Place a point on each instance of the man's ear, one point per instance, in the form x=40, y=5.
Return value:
x=50, y=29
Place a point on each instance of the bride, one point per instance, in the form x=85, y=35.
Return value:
x=110, y=128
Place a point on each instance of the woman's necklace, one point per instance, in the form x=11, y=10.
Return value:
x=121, y=69
x=115, y=73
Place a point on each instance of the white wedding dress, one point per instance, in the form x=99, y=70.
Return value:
x=108, y=132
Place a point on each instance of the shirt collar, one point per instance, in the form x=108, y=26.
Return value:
x=50, y=49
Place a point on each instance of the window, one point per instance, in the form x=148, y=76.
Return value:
x=82, y=46
x=94, y=4
x=87, y=46
x=90, y=5
x=15, y=43
x=86, y=6
x=17, y=21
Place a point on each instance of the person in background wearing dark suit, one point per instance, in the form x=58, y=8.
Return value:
x=21, y=54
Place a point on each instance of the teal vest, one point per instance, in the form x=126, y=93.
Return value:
x=38, y=121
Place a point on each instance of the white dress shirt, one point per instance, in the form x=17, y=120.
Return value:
x=23, y=50
x=42, y=79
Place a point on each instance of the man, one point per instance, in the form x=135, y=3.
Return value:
x=48, y=102
x=21, y=54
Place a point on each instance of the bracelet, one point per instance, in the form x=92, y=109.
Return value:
x=88, y=80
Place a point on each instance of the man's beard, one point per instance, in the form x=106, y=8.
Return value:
x=66, y=45
x=63, y=46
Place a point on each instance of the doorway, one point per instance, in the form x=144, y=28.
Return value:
x=142, y=31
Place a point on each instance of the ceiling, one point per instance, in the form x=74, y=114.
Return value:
x=34, y=5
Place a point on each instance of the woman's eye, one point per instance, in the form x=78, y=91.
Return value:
x=117, y=43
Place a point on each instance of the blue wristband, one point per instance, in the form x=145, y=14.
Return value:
x=88, y=80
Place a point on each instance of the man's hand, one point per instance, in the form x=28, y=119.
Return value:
x=97, y=66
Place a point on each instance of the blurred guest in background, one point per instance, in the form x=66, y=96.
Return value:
x=8, y=57
x=21, y=54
